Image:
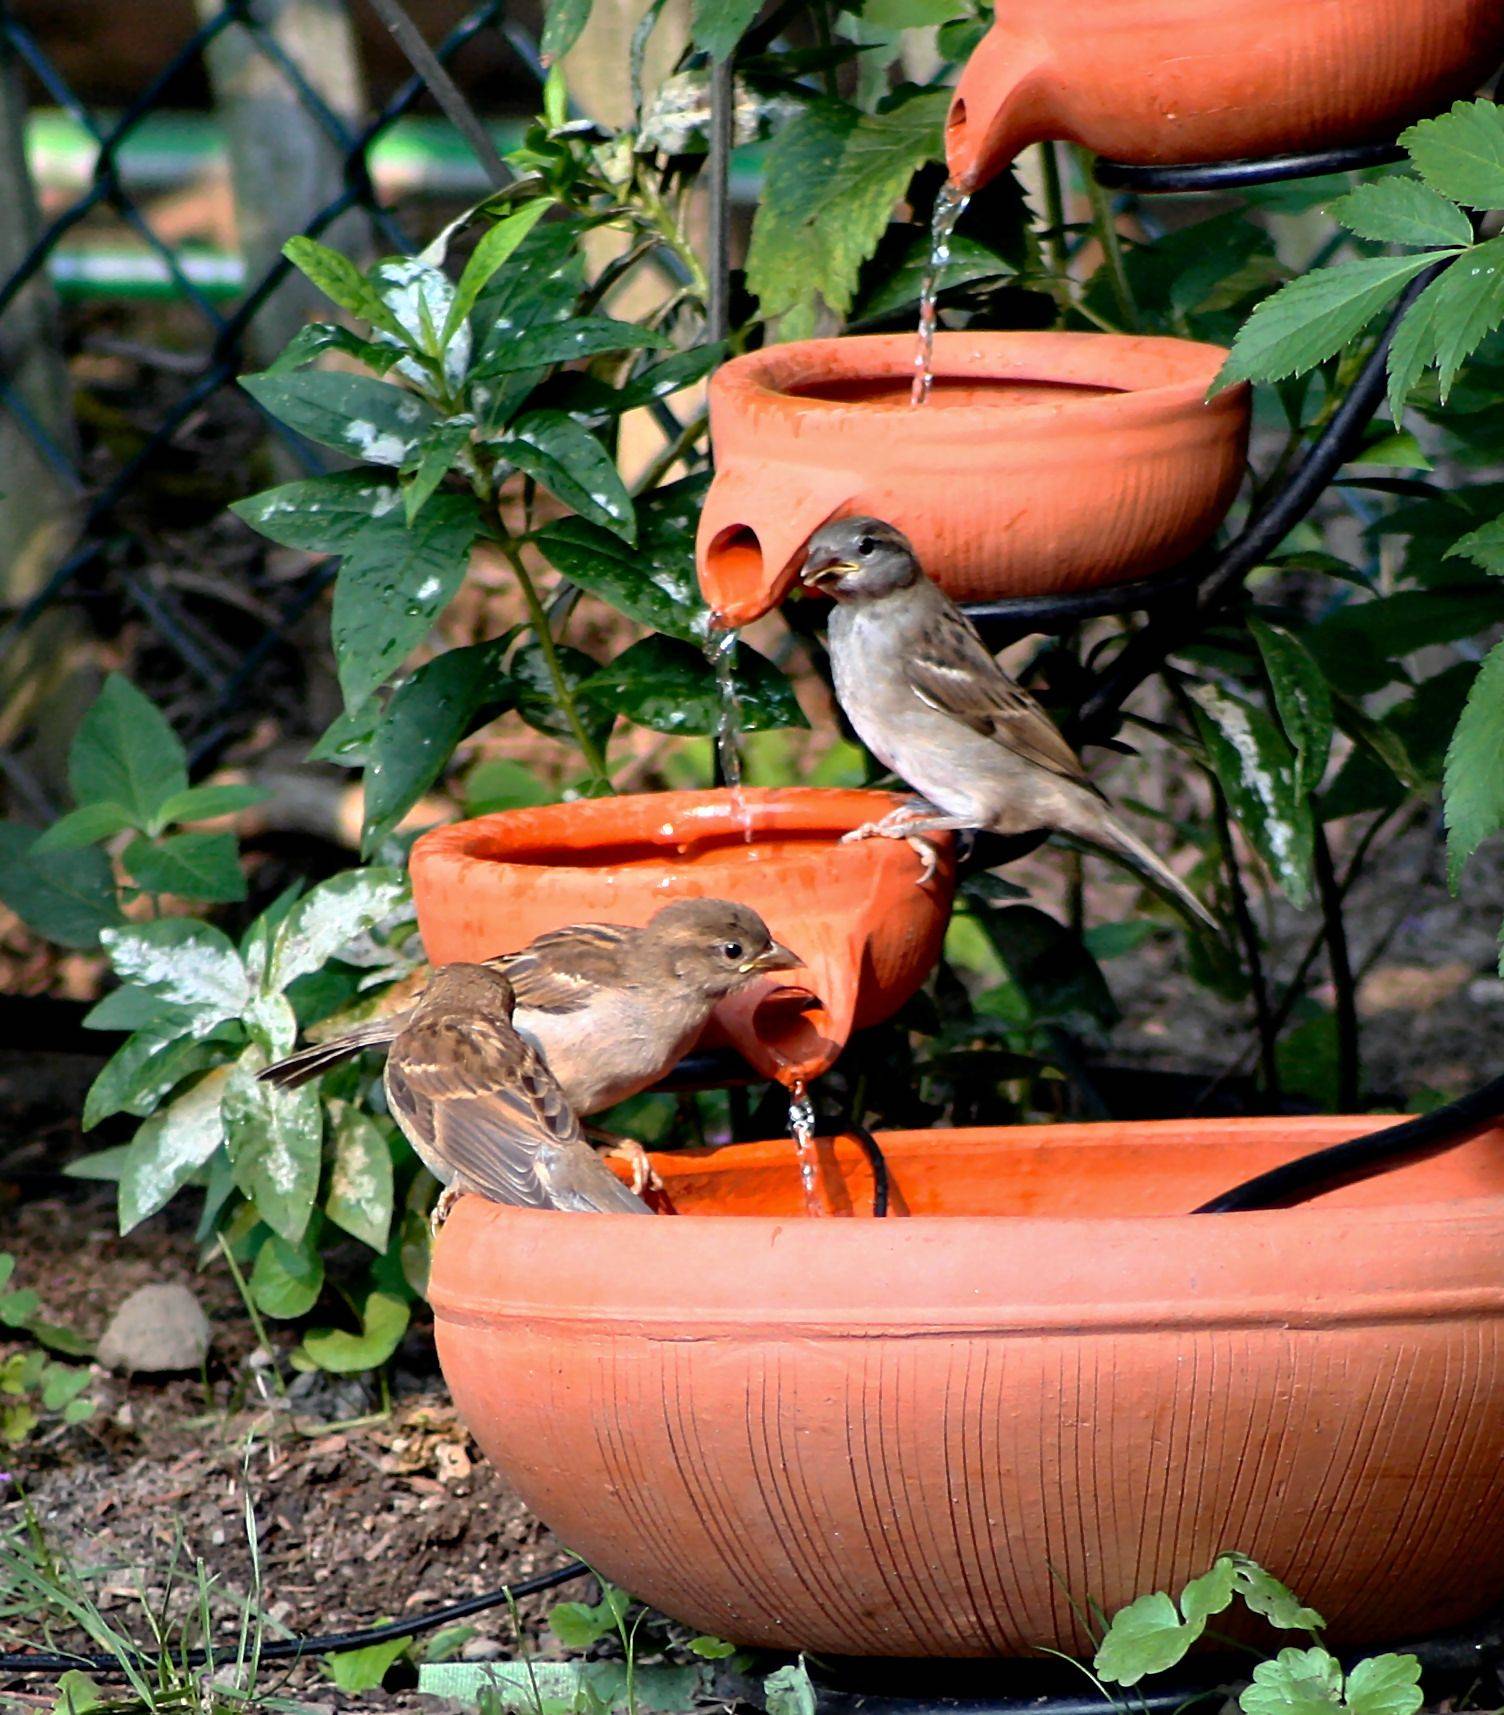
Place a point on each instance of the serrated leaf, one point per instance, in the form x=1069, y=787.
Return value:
x=1256, y=770
x=670, y=687
x=190, y=866
x=1484, y=546
x=567, y=341
x=1473, y=785
x=1314, y=317
x=393, y=585
x=1302, y=699
x=1461, y=153
x=1469, y=306
x=322, y=514
x=185, y=964
x=337, y=277
x=330, y=916
x=653, y=582
x=489, y=254
x=372, y=420
x=85, y=826
x=286, y=1279
x=383, y=1322
x=171, y=1147
x=563, y=22
x=66, y=897
x=832, y=178
x=1413, y=348
x=1146, y=1637
x=274, y=1138
x=429, y=713
x=204, y=803
x=1402, y=210
x=359, y=1199
x=573, y=466
x=125, y=753
x=1296, y=1682
x=720, y=24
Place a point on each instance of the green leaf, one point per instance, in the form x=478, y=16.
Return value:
x=170, y=1148
x=191, y=866
x=1263, y=1594
x=145, y=1068
x=789, y=1691
x=710, y=1649
x=1413, y=348
x=1473, y=787
x=428, y=715
x=720, y=24
x=494, y=248
x=1146, y=1637
x=1211, y=1593
x=653, y=582
x=440, y=451
x=1296, y=1682
x=274, y=1138
x=126, y=754
x=660, y=380
x=1461, y=153
x=365, y=1669
x=563, y=21
x=330, y=916
x=393, y=585
x=1385, y=1685
x=383, y=1322
x=186, y=964
x=372, y=420
x=77, y=1694
x=832, y=178
x=203, y=803
x=910, y=14
x=497, y=783
x=1469, y=306
x=360, y=1178
x=578, y=1625
x=1257, y=773
x=422, y=299
x=347, y=739
x=564, y=342
x=85, y=826
x=340, y=281
x=899, y=288
x=1302, y=698
x=1314, y=317
x=1402, y=210
x=68, y=897
x=533, y=687
x=287, y=1278
x=670, y=687
x=322, y=514
x=573, y=466
x=317, y=337
x=540, y=283
x=1484, y=546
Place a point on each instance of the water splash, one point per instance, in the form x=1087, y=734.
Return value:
x=950, y=205
x=802, y=1123
x=720, y=649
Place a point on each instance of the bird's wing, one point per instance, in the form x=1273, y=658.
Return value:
x=562, y=971
x=308, y=1063
x=951, y=671
x=473, y=1094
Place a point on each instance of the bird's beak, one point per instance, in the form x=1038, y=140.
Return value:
x=823, y=573
x=772, y=958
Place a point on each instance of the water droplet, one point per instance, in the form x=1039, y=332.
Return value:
x=950, y=205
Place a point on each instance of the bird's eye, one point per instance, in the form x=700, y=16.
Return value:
x=866, y=546
x=733, y=949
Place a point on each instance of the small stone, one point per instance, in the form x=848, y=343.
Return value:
x=158, y=1330
x=481, y=1649
x=1486, y=991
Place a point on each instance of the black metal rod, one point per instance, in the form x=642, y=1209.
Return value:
x=1244, y=175
x=876, y=1161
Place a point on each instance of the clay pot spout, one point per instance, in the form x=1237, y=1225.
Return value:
x=1001, y=106
x=792, y=1027
x=752, y=535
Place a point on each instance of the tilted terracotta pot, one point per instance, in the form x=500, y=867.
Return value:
x=1178, y=81
x=1042, y=461
x=922, y=1436
x=868, y=933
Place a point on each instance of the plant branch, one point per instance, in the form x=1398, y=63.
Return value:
x=1112, y=247
x=1339, y=960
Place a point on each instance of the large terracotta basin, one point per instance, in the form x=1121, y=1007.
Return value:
x=1177, y=81
x=868, y=933
x=1041, y=462
x=1040, y=1384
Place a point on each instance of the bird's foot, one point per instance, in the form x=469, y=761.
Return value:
x=645, y=1176
x=929, y=858
x=442, y=1210
x=896, y=825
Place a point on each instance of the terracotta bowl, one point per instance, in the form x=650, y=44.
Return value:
x=1042, y=461
x=1177, y=81
x=868, y=933
x=1041, y=1383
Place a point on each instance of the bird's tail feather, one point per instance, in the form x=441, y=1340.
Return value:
x=302, y=1067
x=1110, y=836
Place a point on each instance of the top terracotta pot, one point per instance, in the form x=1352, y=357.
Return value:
x=1177, y=81
x=1042, y=461
x=868, y=933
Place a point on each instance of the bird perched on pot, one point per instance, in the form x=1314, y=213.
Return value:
x=611, y=1008
x=484, y=1113
x=926, y=697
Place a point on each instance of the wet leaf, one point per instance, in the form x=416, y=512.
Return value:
x=191, y=866
x=497, y=783
x=573, y=466
x=372, y=420
x=275, y=1142
x=360, y=1178
x=337, y=277
x=1473, y=788
x=1469, y=305
x=146, y=1067
x=492, y=251
x=188, y=965
x=670, y=686
x=566, y=341
x=330, y=916
x=540, y=283
x=393, y=585
x=1461, y=153
x=900, y=287
x=534, y=690
x=322, y=514
x=422, y=299
x=1302, y=698
x=67, y=896
x=171, y=1147
x=383, y=1322
x=440, y=453
x=126, y=753
x=720, y=24
x=287, y=1278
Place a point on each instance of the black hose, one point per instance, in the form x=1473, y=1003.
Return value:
x=878, y=1163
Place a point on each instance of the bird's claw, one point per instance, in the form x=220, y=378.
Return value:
x=928, y=855
x=645, y=1176
x=898, y=825
x=442, y=1210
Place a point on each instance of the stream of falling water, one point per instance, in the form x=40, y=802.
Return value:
x=802, y=1124
x=950, y=205
x=720, y=647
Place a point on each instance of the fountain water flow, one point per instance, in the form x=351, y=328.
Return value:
x=802, y=1128
x=950, y=205
x=720, y=647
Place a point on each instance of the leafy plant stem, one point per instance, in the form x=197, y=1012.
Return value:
x=1339, y=960
x=253, y=1313
x=588, y=748
x=1106, y=230
x=655, y=214
x=1053, y=238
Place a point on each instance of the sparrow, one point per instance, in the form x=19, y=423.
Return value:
x=484, y=1113
x=610, y=1008
x=927, y=699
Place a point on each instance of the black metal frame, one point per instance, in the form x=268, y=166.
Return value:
x=1208, y=176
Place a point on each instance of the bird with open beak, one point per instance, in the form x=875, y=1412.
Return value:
x=930, y=702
